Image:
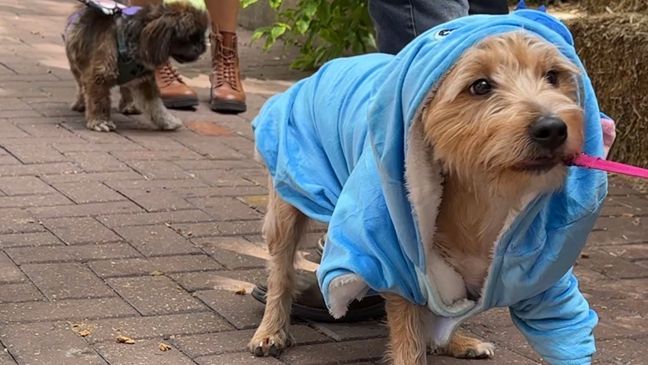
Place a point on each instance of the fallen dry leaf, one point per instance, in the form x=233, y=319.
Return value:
x=164, y=347
x=156, y=273
x=125, y=339
x=240, y=292
x=83, y=329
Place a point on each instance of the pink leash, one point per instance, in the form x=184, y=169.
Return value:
x=598, y=163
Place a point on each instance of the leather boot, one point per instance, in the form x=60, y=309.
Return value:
x=227, y=95
x=173, y=91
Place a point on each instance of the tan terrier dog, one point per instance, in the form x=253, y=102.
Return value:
x=501, y=123
x=498, y=141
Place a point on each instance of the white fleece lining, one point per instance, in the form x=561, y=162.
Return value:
x=342, y=291
x=424, y=181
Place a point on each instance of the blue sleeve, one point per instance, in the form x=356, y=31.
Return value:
x=558, y=323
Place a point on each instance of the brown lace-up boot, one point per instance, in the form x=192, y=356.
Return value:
x=173, y=91
x=227, y=95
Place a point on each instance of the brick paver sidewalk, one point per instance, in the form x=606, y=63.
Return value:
x=153, y=235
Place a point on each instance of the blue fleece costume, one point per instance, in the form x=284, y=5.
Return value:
x=335, y=145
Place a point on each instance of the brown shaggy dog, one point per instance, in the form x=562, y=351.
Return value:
x=498, y=140
x=147, y=39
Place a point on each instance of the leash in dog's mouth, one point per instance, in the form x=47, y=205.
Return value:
x=591, y=162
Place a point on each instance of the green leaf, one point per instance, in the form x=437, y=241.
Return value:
x=302, y=26
x=275, y=4
x=277, y=31
x=310, y=8
x=257, y=35
x=246, y=3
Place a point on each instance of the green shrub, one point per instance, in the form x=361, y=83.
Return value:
x=322, y=29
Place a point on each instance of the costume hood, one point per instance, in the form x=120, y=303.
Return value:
x=338, y=144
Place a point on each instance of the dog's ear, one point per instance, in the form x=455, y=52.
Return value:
x=155, y=39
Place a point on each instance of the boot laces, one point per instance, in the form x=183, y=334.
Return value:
x=169, y=75
x=225, y=67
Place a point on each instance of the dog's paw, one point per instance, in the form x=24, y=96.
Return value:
x=78, y=106
x=129, y=108
x=101, y=125
x=270, y=344
x=464, y=347
x=481, y=350
x=168, y=122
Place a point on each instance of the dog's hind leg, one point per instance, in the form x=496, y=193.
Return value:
x=127, y=104
x=97, y=102
x=148, y=97
x=407, y=334
x=464, y=347
x=282, y=230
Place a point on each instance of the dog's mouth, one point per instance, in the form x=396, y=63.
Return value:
x=544, y=163
x=538, y=164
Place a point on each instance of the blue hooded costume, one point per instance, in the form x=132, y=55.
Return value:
x=336, y=146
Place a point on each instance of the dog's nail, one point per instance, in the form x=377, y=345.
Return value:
x=274, y=350
x=258, y=351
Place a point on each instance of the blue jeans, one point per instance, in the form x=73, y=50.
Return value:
x=397, y=22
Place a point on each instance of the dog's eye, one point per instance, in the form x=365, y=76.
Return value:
x=481, y=87
x=552, y=77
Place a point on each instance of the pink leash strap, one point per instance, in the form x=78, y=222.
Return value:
x=598, y=163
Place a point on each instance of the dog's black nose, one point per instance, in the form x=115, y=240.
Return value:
x=549, y=132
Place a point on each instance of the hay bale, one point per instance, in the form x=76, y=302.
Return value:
x=618, y=6
x=614, y=49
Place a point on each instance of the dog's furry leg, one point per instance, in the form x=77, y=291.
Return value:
x=282, y=230
x=97, y=102
x=407, y=335
x=464, y=347
x=148, y=96
x=79, y=99
x=127, y=104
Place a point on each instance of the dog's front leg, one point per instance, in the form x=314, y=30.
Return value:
x=97, y=106
x=148, y=96
x=407, y=335
x=282, y=230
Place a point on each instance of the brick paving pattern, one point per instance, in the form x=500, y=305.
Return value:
x=150, y=234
